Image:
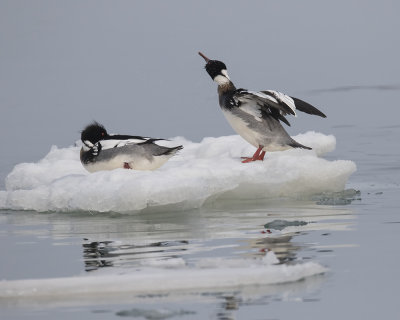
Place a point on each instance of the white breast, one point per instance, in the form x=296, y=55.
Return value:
x=111, y=164
x=251, y=136
x=241, y=127
x=134, y=161
x=145, y=164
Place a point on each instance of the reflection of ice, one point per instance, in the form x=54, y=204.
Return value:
x=201, y=173
x=192, y=238
x=219, y=248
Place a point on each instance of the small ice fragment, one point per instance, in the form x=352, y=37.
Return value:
x=270, y=258
x=158, y=314
x=282, y=224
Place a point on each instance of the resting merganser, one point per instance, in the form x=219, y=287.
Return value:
x=102, y=151
x=255, y=115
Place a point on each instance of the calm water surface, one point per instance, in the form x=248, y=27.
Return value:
x=353, y=234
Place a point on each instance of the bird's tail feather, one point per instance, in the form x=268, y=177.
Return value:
x=295, y=144
x=173, y=150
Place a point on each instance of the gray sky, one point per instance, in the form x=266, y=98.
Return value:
x=133, y=66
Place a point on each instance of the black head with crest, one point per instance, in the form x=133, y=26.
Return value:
x=94, y=132
x=214, y=67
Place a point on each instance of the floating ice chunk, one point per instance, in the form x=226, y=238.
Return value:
x=164, y=263
x=269, y=259
x=282, y=224
x=157, y=314
x=152, y=281
x=207, y=170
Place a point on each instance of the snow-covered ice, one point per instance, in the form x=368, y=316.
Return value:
x=208, y=170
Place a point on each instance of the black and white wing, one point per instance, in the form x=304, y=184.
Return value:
x=117, y=141
x=307, y=108
x=270, y=103
x=297, y=103
x=261, y=105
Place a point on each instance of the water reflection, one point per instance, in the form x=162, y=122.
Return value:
x=227, y=231
x=228, y=307
x=282, y=246
x=100, y=254
x=228, y=235
x=172, y=254
x=95, y=255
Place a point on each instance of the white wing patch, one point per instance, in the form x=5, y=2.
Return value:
x=284, y=99
x=113, y=143
x=264, y=96
x=253, y=110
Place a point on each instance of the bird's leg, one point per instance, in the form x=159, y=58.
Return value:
x=127, y=166
x=261, y=157
x=256, y=156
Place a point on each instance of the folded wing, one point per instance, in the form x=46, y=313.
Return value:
x=116, y=141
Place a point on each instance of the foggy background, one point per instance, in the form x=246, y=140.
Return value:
x=133, y=66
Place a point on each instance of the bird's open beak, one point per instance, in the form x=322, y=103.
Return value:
x=204, y=57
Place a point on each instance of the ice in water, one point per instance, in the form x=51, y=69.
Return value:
x=151, y=280
x=282, y=224
x=202, y=171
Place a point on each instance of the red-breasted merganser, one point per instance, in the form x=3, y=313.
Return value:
x=257, y=116
x=102, y=151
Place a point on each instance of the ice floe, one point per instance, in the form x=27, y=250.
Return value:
x=161, y=280
x=209, y=170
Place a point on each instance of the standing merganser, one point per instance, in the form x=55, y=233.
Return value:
x=102, y=151
x=255, y=115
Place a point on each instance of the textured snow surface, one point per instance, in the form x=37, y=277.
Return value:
x=208, y=170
